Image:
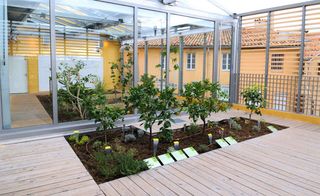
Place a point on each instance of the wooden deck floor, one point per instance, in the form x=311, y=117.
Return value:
x=283, y=163
x=44, y=167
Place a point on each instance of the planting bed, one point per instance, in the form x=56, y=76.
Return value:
x=197, y=139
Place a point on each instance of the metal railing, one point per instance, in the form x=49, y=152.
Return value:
x=282, y=92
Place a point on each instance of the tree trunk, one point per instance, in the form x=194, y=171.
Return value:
x=250, y=115
x=150, y=138
x=204, y=126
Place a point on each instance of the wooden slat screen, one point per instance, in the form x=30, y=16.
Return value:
x=27, y=39
x=285, y=36
x=253, y=43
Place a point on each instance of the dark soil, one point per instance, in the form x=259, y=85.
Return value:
x=85, y=152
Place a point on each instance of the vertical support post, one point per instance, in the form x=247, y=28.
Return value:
x=238, y=59
x=168, y=50
x=146, y=57
x=266, y=67
x=135, y=48
x=5, y=122
x=204, y=68
x=161, y=61
x=216, y=48
x=181, y=56
x=54, y=85
x=233, y=66
x=301, y=60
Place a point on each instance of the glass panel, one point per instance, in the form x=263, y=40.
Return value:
x=225, y=58
x=152, y=30
x=96, y=38
x=26, y=50
x=195, y=38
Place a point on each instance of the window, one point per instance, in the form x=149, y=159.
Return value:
x=191, y=61
x=226, y=61
x=277, y=62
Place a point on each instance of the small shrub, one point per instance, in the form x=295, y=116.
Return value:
x=119, y=164
x=75, y=137
x=105, y=170
x=192, y=129
x=84, y=139
x=234, y=125
x=254, y=100
x=129, y=138
x=97, y=145
x=166, y=135
x=212, y=124
x=203, y=148
x=256, y=128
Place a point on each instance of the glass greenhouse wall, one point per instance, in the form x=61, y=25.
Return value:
x=277, y=48
x=41, y=39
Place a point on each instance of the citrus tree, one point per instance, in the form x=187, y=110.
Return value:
x=153, y=106
x=104, y=114
x=203, y=98
x=253, y=100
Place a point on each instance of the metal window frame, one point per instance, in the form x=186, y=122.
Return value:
x=301, y=59
x=266, y=67
x=83, y=124
x=216, y=46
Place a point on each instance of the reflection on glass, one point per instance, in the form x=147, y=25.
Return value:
x=225, y=56
x=94, y=42
x=25, y=47
x=152, y=43
x=191, y=48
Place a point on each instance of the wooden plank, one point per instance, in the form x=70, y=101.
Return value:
x=168, y=183
x=120, y=188
x=155, y=184
x=179, y=182
x=144, y=185
x=297, y=180
x=266, y=175
x=136, y=190
x=218, y=177
x=196, y=184
x=108, y=189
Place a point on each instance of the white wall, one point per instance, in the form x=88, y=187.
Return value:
x=94, y=65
